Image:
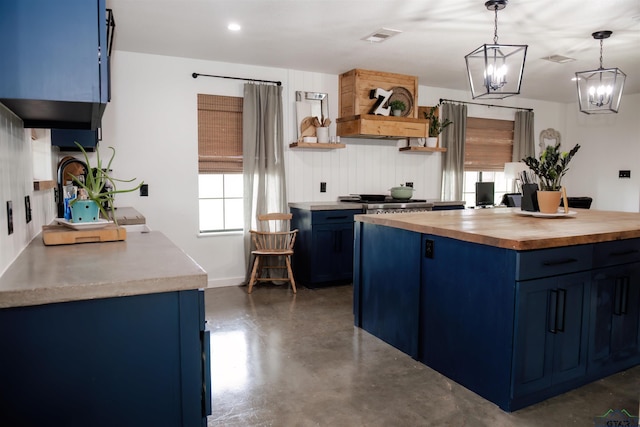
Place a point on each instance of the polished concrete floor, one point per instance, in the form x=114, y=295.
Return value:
x=280, y=359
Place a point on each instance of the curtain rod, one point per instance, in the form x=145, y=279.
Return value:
x=195, y=76
x=486, y=105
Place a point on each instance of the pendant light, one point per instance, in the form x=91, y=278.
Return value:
x=600, y=91
x=495, y=70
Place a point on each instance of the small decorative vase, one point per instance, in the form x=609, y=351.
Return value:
x=548, y=201
x=85, y=211
x=432, y=141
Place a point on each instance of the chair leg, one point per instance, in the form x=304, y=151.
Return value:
x=252, y=281
x=293, y=282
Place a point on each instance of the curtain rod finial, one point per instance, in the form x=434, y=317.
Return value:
x=194, y=75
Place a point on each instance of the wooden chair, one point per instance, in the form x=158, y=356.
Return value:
x=275, y=244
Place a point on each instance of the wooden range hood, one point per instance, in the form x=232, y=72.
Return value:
x=355, y=104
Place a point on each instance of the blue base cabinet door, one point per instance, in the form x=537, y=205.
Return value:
x=388, y=287
x=551, y=333
x=615, y=319
x=131, y=361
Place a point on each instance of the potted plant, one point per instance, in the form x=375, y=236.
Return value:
x=96, y=192
x=436, y=126
x=397, y=107
x=552, y=165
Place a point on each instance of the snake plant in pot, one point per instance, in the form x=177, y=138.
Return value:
x=552, y=165
x=96, y=192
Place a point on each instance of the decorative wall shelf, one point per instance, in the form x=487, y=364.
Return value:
x=385, y=127
x=321, y=145
x=43, y=185
x=423, y=149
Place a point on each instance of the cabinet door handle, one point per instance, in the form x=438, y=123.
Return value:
x=338, y=240
x=617, y=296
x=338, y=217
x=552, y=311
x=621, y=296
x=560, y=262
x=561, y=309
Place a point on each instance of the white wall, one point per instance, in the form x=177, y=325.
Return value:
x=152, y=122
x=608, y=143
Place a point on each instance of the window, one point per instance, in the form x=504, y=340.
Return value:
x=488, y=146
x=220, y=181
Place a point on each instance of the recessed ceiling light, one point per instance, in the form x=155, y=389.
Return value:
x=234, y=27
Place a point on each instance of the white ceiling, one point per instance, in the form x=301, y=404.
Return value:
x=325, y=36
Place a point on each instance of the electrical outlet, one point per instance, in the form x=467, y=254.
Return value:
x=323, y=187
x=10, y=217
x=624, y=174
x=428, y=248
x=27, y=208
x=409, y=184
x=144, y=190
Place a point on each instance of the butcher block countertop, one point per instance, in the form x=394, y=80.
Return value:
x=505, y=228
x=145, y=263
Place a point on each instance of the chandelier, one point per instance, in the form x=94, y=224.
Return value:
x=495, y=70
x=600, y=91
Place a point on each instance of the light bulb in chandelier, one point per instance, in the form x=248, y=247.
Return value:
x=601, y=95
x=495, y=76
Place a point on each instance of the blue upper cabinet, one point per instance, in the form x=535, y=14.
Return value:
x=55, y=71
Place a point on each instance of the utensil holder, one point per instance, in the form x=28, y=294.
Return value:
x=323, y=134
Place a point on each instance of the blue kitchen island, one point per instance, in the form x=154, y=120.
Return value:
x=515, y=308
x=104, y=334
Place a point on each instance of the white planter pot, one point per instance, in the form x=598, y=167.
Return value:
x=432, y=141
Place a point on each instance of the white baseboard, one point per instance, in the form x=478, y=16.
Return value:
x=221, y=283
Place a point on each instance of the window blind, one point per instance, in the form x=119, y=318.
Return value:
x=219, y=134
x=488, y=145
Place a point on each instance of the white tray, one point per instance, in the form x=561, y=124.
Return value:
x=101, y=223
x=559, y=214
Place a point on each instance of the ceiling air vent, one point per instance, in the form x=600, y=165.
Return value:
x=558, y=59
x=381, y=35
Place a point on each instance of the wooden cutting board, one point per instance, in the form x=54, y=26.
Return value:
x=61, y=235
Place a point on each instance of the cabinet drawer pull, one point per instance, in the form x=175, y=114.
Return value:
x=338, y=217
x=623, y=253
x=561, y=262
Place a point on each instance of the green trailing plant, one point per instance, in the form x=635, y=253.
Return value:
x=551, y=166
x=436, y=126
x=397, y=105
x=99, y=185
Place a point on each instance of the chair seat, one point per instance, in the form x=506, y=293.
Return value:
x=272, y=252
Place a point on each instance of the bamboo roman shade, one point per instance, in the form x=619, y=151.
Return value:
x=488, y=145
x=219, y=134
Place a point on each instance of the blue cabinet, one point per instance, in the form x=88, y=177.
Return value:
x=55, y=71
x=550, y=333
x=323, y=252
x=131, y=361
x=388, y=286
x=516, y=327
x=66, y=138
x=615, y=320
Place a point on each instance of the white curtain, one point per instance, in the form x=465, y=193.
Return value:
x=263, y=156
x=452, y=138
x=523, y=138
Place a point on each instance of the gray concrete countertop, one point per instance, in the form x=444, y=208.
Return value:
x=325, y=206
x=145, y=263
